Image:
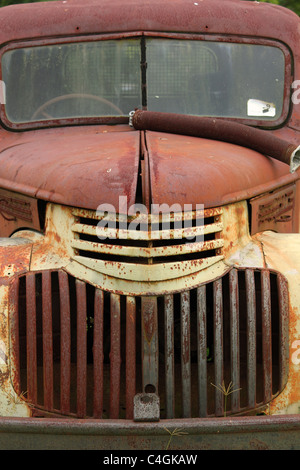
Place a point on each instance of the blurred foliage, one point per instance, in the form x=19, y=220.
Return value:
x=4, y=3
x=291, y=4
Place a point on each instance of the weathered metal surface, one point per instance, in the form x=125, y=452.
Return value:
x=47, y=340
x=127, y=274
x=98, y=353
x=17, y=211
x=65, y=342
x=147, y=273
x=191, y=322
x=31, y=345
x=120, y=254
x=15, y=256
x=251, y=334
x=137, y=16
x=202, y=350
x=185, y=354
x=81, y=348
x=284, y=329
x=51, y=249
x=149, y=252
x=176, y=235
x=125, y=234
x=214, y=173
x=266, y=335
x=15, y=338
x=169, y=355
x=82, y=167
x=275, y=211
x=146, y=407
x=281, y=252
x=136, y=286
x=220, y=129
x=109, y=173
x=150, y=349
x=130, y=355
x=11, y=404
x=234, y=337
x=250, y=433
x=218, y=345
x=54, y=250
x=115, y=356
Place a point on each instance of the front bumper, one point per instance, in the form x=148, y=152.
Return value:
x=242, y=433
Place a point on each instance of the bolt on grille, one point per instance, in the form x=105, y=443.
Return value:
x=79, y=351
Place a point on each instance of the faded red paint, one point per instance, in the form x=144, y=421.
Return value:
x=192, y=170
x=88, y=166
x=169, y=15
x=81, y=167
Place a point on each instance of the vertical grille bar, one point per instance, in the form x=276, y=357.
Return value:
x=202, y=350
x=266, y=334
x=283, y=299
x=31, y=338
x=234, y=338
x=251, y=335
x=130, y=355
x=47, y=340
x=98, y=353
x=81, y=348
x=65, y=342
x=169, y=356
x=218, y=345
x=115, y=355
x=150, y=342
x=185, y=354
x=15, y=335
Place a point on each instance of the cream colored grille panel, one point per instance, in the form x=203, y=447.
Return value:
x=198, y=236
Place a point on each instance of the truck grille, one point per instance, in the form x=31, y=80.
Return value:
x=79, y=351
x=149, y=239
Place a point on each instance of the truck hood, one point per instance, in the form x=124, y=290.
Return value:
x=88, y=166
x=76, y=166
x=193, y=170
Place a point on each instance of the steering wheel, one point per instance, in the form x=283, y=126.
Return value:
x=72, y=96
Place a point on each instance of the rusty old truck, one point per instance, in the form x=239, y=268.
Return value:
x=150, y=225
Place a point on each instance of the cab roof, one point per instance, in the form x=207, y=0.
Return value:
x=77, y=17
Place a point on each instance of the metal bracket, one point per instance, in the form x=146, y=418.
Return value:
x=146, y=407
x=131, y=114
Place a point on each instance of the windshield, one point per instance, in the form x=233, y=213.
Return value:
x=113, y=77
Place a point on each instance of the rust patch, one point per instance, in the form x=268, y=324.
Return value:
x=14, y=259
x=275, y=211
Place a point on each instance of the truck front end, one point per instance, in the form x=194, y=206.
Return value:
x=149, y=259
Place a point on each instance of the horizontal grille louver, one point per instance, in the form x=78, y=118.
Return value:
x=83, y=352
